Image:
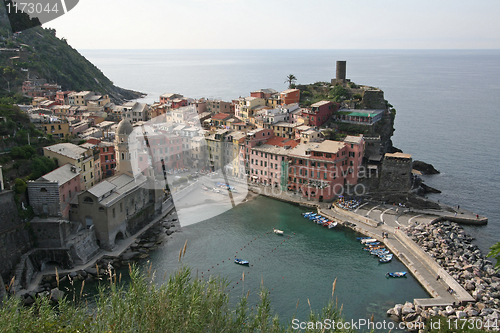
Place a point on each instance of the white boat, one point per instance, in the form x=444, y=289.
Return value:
x=332, y=225
x=278, y=232
x=369, y=240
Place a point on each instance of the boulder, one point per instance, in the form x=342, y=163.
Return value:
x=449, y=310
x=397, y=309
x=91, y=270
x=56, y=295
x=472, y=313
x=461, y=314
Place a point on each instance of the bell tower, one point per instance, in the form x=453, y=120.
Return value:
x=124, y=153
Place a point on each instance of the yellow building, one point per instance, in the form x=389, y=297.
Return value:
x=57, y=129
x=80, y=157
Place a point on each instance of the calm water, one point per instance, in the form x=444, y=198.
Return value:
x=447, y=114
x=299, y=266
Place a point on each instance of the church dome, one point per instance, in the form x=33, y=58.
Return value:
x=124, y=128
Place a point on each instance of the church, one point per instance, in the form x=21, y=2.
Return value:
x=119, y=206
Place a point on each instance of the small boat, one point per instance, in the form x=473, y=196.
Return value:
x=380, y=253
x=386, y=258
x=332, y=225
x=361, y=238
x=241, y=262
x=278, y=232
x=306, y=214
x=372, y=243
x=368, y=240
x=396, y=274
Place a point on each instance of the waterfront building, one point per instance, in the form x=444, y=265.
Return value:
x=363, y=117
x=323, y=170
x=165, y=98
x=269, y=161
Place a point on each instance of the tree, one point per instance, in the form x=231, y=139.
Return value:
x=290, y=79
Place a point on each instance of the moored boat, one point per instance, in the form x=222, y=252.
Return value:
x=396, y=274
x=278, y=232
x=241, y=262
x=332, y=225
x=386, y=258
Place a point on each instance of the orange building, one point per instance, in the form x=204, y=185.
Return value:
x=290, y=96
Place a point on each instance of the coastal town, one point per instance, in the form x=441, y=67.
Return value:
x=122, y=169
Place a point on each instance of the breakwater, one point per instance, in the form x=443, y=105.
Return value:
x=451, y=248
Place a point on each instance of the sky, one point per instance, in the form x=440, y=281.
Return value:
x=281, y=24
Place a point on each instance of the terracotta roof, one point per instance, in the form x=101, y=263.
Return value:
x=221, y=116
x=281, y=142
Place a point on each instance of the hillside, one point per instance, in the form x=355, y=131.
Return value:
x=40, y=53
x=353, y=96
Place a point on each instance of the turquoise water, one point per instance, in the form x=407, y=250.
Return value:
x=299, y=266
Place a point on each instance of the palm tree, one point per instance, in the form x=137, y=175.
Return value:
x=290, y=79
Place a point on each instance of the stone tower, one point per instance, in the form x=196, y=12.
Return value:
x=341, y=71
x=124, y=149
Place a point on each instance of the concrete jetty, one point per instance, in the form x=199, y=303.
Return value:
x=372, y=219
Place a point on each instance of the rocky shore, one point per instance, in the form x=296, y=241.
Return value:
x=453, y=250
x=152, y=238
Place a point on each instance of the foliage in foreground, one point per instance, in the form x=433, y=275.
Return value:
x=182, y=304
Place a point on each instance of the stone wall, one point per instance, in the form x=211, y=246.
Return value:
x=374, y=99
x=14, y=235
x=137, y=222
x=395, y=174
x=8, y=214
x=44, y=198
x=50, y=233
x=34, y=262
x=83, y=246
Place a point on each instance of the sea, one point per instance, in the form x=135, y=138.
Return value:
x=447, y=104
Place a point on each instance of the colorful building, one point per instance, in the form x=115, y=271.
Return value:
x=290, y=96
x=80, y=157
x=319, y=113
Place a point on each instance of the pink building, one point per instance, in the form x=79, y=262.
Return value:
x=269, y=161
x=319, y=112
x=324, y=170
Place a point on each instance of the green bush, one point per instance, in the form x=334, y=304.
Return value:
x=24, y=152
x=20, y=186
x=182, y=304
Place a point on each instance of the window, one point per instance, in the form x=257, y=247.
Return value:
x=88, y=200
x=324, y=176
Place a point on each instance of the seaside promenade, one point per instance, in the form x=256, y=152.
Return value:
x=372, y=219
